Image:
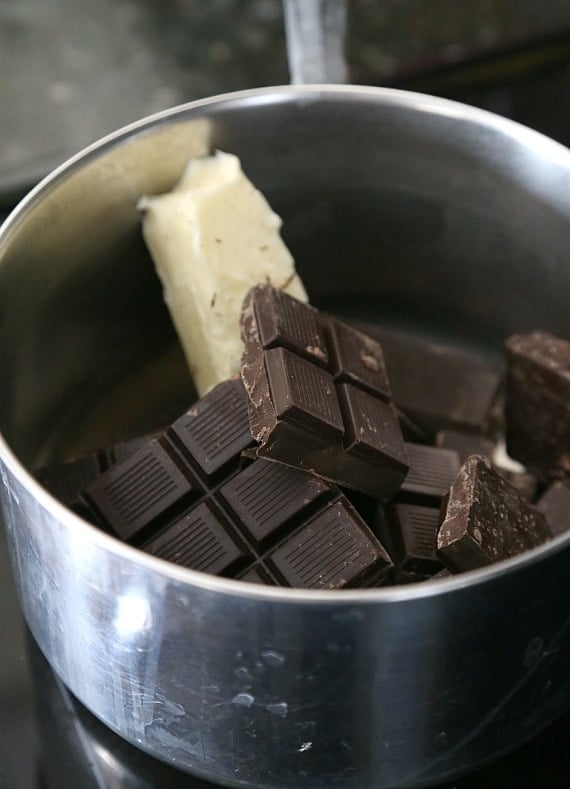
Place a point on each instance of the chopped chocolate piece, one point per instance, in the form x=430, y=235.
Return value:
x=432, y=470
x=198, y=540
x=193, y=497
x=485, y=520
x=438, y=386
x=318, y=395
x=555, y=505
x=409, y=533
x=464, y=444
x=538, y=403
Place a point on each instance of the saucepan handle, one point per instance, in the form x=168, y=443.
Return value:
x=315, y=32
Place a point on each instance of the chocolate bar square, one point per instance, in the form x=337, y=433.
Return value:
x=318, y=395
x=194, y=496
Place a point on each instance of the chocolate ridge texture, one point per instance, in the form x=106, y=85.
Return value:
x=191, y=497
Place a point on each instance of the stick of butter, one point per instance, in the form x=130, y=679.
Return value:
x=212, y=238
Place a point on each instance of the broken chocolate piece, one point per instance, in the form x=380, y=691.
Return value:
x=485, y=520
x=555, y=505
x=439, y=386
x=538, y=403
x=192, y=496
x=319, y=396
x=432, y=470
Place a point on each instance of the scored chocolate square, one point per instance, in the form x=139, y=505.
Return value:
x=432, y=471
x=409, y=532
x=318, y=395
x=150, y=485
x=193, y=496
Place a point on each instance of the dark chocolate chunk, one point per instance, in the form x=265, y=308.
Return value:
x=555, y=505
x=318, y=395
x=464, y=444
x=266, y=496
x=333, y=550
x=485, y=520
x=193, y=496
x=149, y=485
x=303, y=394
x=432, y=470
x=537, y=407
x=198, y=540
x=213, y=431
x=409, y=533
x=358, y=360
x=438, y=386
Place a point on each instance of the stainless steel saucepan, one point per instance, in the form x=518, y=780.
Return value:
x=399, y=208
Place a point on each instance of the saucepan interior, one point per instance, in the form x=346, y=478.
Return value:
x=400, y=210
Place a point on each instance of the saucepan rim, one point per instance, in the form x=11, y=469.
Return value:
x=284, y=93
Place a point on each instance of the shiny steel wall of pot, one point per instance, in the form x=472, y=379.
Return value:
x=397, y=206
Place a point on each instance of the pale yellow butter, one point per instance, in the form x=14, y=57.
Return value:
x=212, y=238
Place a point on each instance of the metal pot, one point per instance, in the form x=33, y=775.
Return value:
x=398, y=207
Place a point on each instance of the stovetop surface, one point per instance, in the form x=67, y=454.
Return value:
x=47, y=739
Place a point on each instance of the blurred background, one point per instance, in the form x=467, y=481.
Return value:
x=73, y=70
